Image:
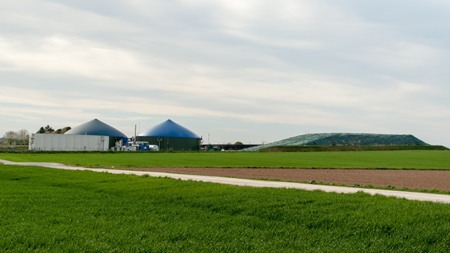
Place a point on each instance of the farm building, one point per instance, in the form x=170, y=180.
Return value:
x=90, y=136
x=345, y=139
x=171, y=136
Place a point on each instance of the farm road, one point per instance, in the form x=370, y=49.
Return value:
x=252, y=183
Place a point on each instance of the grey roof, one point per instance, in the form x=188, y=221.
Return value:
x=349, y=139
x=96, y=127
x=169, y=129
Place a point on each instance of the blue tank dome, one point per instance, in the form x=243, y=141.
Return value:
x=96, y=127
x=169, y=129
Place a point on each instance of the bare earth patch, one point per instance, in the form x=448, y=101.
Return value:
x=411, y=179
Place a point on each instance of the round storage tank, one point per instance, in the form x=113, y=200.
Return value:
x=171, y=136
x=96, y=127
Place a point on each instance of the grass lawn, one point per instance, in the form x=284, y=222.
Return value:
x=49, y=210
x=417, y=159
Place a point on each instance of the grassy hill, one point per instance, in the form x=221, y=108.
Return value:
x=345, y=139
x=347, y=148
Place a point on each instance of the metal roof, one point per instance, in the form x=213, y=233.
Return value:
x=169, y=129
x=96, y=127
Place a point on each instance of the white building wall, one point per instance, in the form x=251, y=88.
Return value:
x=62, y=142
x=70, y=142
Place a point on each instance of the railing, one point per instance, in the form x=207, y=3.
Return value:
x=13, y=147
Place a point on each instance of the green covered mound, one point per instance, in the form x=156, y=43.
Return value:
x=345, y=139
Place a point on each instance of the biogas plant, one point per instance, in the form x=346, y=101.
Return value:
x=167, y=136
x=96, y=135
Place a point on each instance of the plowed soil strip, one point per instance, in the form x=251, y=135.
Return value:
x=412, y=179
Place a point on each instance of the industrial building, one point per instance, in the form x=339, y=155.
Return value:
x=90, y=136
x=171, y=136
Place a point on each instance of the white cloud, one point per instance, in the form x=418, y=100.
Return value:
x=47, y=18
x=68, y=56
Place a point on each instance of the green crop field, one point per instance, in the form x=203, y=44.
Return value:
x=411, y=159
x=49, y=210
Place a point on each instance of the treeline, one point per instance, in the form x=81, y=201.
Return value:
x=22, y=137
x=16, y=138
x=49, y=130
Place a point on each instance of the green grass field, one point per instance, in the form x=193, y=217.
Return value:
x=49, y=210
x=417, y=159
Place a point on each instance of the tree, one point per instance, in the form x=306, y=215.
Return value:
x=65, y=129
x=238, y=143
x=41, y=131
x=49, y=129
x=10, y=137
x=23, y=136
x=20, y=137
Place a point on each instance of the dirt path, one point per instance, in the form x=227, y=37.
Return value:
x=399, y=178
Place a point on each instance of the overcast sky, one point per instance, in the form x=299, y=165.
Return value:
x=236, y=70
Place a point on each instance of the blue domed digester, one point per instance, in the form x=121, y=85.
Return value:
x=169, y=129
x=171, y=136
x=96, y=127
